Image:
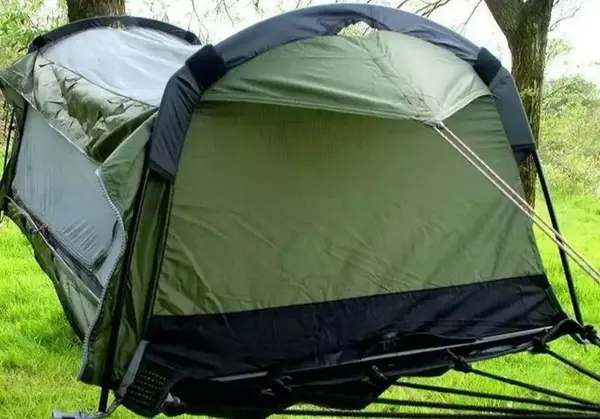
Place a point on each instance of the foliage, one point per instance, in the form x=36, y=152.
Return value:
x=568, y=92
x=557, y=47
x=16, y=29
x=570, y=135
x=20, y=22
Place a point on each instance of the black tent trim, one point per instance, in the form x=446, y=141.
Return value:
x=414, y=315
x=183, y=92
x=109, y=21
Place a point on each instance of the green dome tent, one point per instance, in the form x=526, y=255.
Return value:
x=284, y=217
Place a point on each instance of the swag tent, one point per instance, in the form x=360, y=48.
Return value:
x=289, y=216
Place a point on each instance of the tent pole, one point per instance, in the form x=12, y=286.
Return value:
x=563, y=256
x=7, y=134
x=120, y=297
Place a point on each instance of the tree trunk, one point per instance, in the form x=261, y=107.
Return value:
x=526, y=25
x=528, y=48
x=82, y=9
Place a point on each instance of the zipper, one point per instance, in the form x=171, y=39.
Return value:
x=93, y=325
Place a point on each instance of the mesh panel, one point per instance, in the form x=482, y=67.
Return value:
x=149, y=389
x=58, y=185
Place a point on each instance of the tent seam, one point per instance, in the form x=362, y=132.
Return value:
x=93, y=325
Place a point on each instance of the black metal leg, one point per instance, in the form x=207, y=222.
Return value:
x=563, y=255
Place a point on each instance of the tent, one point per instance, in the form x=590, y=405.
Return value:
x=283, y=217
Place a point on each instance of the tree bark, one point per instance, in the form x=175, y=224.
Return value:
x=83, y=9
x=528, y=49
x=526, y=26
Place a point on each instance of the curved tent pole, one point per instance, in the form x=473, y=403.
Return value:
x=563, y=255
x=8, y=133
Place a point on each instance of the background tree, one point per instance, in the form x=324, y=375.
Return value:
x=525, y=25
x=82, y=9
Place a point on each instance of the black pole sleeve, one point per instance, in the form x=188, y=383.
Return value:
x=8, y=137
x=563, y=255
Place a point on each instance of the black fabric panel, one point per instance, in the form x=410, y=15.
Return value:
x=328, y=20
x=487, y=66
x=508, y=103
x=206, y=66
x=311, y=335
x=106, y=21
x=182, y=93
x=511, y=111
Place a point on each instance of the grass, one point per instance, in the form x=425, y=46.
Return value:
x=39, y=355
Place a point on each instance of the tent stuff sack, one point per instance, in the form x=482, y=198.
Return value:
x=238, y=228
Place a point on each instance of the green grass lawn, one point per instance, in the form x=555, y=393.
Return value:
x=39, y=355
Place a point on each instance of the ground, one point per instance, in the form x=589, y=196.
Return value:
x=39, y=355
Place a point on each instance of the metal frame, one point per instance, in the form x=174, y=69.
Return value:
x=295, y=392
x=554, y=220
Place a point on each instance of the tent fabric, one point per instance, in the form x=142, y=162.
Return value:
x=385, y=74
x=278, y=262
x=315, y=22
x=79, y=302
x=133, y=62
x=151, y=230
x=93, y=119
x=328, y=20
x=111, y=132
x=182, y=93
x=72, y=28
x=73, y=207
x=289, y=209
x=510, y=108
x=121, y=174
x=327, y=333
